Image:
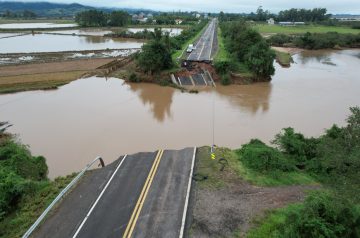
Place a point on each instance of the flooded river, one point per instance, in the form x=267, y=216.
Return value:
x=51, y=43
x=95, y=116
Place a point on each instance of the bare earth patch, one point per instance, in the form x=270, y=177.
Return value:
x=225, y=205
x=291, y=51
x=219, y=213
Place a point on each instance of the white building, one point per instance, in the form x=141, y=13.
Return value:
x=178, y=21
x=271, y=21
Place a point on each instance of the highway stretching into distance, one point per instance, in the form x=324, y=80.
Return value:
x=205, y=46
x=141, y=195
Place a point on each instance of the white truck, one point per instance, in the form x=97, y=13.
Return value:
x=190, y=48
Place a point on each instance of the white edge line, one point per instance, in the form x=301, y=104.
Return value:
x=181, y=235
x=98, y=199
x=180, y=81
x=212, y=40
x=202, y=76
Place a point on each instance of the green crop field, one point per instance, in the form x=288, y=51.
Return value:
x=264, y=28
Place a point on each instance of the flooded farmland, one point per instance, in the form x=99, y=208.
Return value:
x=172, y=31
x=108, y=117
x=51, y=43
x=35, y=25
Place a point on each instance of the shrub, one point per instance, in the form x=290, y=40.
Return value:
x=258, y=156
x=323, y=215
x=134, y=78
x=222, y=67
x=225, y=79
x=280, y=39
x=296, y=146
x=19, y=173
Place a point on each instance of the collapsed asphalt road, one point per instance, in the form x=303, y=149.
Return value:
x=141, y=195
x=205, y=46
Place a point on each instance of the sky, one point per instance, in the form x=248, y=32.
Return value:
x=236, y=6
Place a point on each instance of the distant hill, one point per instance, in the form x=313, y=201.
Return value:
x=44, y=9
x=47, y=9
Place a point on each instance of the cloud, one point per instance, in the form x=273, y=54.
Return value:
x=333, y=6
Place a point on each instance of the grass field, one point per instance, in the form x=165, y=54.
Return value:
x=264, y=28
x=209, y=167
x=222, y=54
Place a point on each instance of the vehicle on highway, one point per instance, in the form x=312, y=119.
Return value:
x=190, y=48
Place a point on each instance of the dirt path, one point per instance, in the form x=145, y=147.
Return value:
x=291, y=51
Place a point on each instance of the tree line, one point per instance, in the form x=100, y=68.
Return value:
x=96, y=18
x=26, y=14
x=293, y=15
x=316, y=41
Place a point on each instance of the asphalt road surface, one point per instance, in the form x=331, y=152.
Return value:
x=141, y=195
x=205, y=45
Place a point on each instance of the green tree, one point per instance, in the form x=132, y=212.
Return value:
x=119, y=18
x=93, y=18
x=260, y=59
x=154, y=57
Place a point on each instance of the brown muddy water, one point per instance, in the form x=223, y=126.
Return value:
x=54, y=43
x=107, y=117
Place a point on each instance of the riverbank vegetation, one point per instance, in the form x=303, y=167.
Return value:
x=25, y=190
x=315, y=41
x=249, y=52
x=328, y=165
x=333, y=160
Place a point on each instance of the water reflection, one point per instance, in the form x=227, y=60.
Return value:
x=320, y=56
x=159, y=99
x=94, y=39
x=251, y=98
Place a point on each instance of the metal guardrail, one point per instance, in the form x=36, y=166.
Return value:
x=61, y=194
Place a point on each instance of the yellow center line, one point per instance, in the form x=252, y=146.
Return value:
x=134, y=216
